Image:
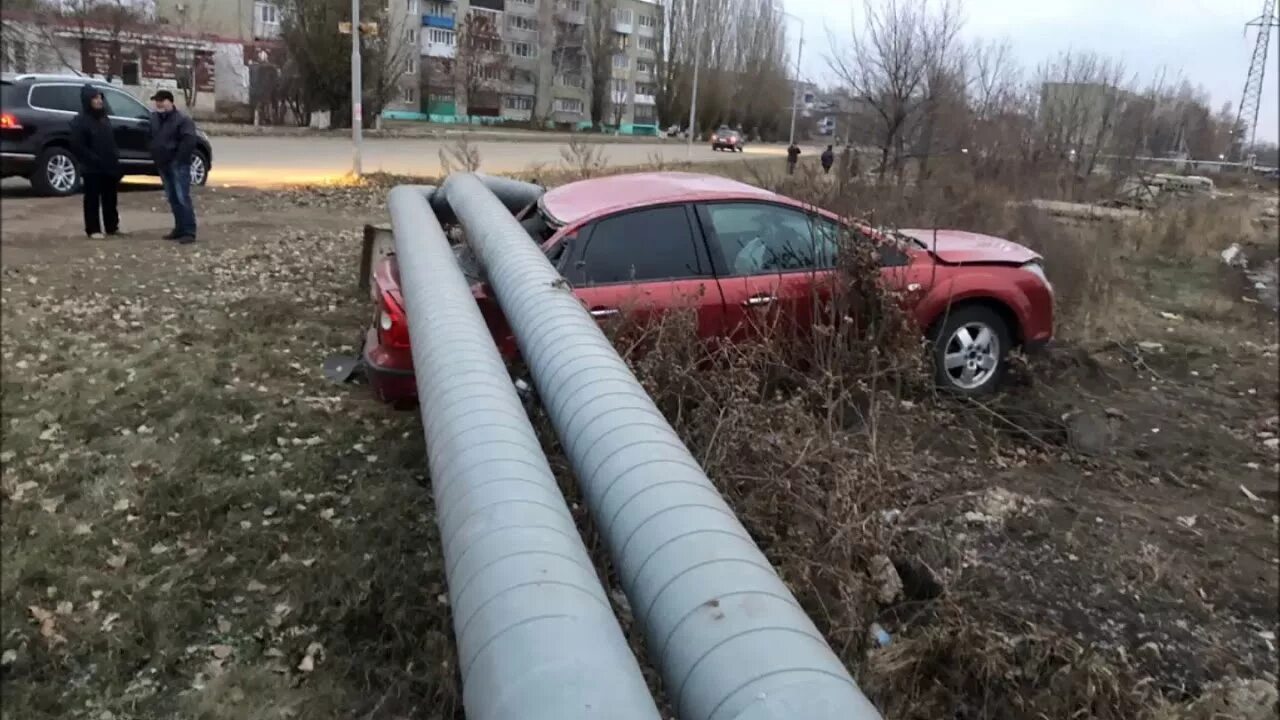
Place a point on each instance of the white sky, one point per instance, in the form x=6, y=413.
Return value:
x=1201, y=40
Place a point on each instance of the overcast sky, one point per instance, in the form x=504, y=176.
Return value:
x=1201, y=40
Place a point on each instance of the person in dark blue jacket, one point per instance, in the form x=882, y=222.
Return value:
x=93, y=142
x=173, y=142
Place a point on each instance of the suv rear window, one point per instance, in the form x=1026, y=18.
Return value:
x=56, y=97
x=10, y=95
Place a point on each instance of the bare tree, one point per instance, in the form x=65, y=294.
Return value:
x=888, y=63
x=599, y=48
x=479, y=62
x=387, y=56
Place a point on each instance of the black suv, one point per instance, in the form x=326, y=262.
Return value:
x=35, y=132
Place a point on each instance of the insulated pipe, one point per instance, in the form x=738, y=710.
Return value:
x=536, y=636
x=728, y=636
x=515, y=196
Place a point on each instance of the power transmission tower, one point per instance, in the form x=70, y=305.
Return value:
x=1246, y=127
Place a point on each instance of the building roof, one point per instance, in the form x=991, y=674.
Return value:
x=585, y=199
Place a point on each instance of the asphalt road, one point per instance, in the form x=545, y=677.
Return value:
x=275, y=160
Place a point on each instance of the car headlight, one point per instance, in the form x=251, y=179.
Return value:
x=1036, y=269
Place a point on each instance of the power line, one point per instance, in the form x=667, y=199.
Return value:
x=1246, y=125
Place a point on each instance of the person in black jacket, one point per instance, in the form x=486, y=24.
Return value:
x=828, y=158
x=793, y=156
x=173, y=142
x=93, y=142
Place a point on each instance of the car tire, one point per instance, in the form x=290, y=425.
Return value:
x=970, y=351
x=200, y=172
x=56, y=173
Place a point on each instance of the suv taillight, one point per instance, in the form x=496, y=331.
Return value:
x=393, y=324
x=9, y=122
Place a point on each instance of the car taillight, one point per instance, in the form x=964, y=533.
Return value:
x=9, y=122
x=393, y=324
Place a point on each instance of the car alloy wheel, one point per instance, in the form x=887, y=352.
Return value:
x=60, y=171
x=972, y=355
x=199, y=171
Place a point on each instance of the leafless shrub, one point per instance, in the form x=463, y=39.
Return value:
x=460, y=156
x=584, y=158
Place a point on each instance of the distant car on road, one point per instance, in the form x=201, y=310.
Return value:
x=35, y=132
x=647, y=243
x=728, y=139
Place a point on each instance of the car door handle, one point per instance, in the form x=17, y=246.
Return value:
x=758, y=300
x=603, y=312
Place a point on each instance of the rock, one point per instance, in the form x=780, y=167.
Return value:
x=1090, y=434
x=1150, y=346
x=885, y=578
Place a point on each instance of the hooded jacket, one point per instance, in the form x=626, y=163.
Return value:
x=173, y=138
x=93, y=140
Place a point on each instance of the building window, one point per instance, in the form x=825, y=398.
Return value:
x=574, y=6
x=619, y=86
x=621, y=62
x=517, y=102
x=411, y=35
x=522, y=49
x=648, y=43
x=408, y=95
x=439, y=9
x=644, y=66
x=648, y=21
x=437, y=36
x=646, y=89
x=530, y=3
x=622, y=17
x=568, y=105
x=621, y=41
x=490, y=72
x=521, y=22
x=411, y=64
x=411, y=6
x=268, y=14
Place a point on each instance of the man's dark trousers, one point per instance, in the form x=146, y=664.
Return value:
x=177, y=189
x=100, y=192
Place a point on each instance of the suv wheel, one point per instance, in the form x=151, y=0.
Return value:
x=56, y=172
x=199, y=169
x=970, y=351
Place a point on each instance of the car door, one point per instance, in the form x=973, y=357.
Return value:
x=641, y=264
x=131, y=122
x=769, y=266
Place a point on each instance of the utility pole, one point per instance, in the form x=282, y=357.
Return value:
x=697, y=56
x=795, y=95
x=356, y=109
x=1246, y=126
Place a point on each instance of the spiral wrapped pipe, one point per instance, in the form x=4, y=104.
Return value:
x=536, y=636
x=729, y=638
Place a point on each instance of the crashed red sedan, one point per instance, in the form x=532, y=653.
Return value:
x=650, y=242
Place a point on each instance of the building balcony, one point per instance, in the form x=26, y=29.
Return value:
x=646, y=100
x=265, y=30
x=646, y=31
x=626, y=28
x=445, y=22
x=618, y=98
x=437, y=49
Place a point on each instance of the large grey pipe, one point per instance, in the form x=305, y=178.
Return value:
x=536, y=636
x=515, y=196
x=728, y=636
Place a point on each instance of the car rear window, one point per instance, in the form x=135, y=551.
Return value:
x=56, y=97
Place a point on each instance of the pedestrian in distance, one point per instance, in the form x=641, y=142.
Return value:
x=793, y=156
x=93, y=142
x=828, y=159
x=173, y=142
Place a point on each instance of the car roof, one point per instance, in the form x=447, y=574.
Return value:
x=585, y=199
x=51, y=77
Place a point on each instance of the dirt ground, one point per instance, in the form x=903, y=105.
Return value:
x=196, y=524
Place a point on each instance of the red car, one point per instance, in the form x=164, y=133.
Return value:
x=646, y=243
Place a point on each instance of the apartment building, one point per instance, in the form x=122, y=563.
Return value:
x=243, y=20
x=525, y=58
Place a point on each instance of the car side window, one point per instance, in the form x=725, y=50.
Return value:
x=125, y=105
x=758, y=238
x=56, y=97
x=640, y=246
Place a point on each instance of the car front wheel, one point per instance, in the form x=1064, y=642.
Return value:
x=56, y=172
x=970, y=351
x=199, y=169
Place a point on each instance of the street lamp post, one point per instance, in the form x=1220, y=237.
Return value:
x=795, y=95
x=356, y=109
x=693, y=102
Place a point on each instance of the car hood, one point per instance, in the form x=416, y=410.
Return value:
x=960, y=247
